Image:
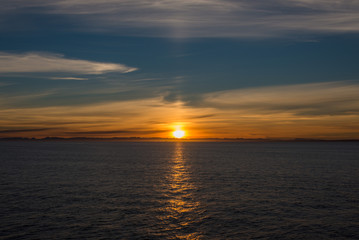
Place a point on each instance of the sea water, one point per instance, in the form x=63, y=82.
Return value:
x=179, y=190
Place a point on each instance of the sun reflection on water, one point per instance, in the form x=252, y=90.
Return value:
x=182, y=214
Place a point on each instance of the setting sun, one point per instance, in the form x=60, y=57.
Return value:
x=178, y=134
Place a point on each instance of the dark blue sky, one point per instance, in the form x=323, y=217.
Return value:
x=83, y=53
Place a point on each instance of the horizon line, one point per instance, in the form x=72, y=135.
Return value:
x=174, y=139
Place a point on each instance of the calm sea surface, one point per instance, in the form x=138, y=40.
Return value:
x=179, y=190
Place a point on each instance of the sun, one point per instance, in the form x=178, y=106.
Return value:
x=178, y=134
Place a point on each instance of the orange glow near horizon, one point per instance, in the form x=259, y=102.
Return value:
x=153, y=118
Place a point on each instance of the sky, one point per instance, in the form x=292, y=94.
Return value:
x=213, y=68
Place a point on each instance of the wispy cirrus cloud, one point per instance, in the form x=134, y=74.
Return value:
x=136, y=132
x=316, y=110
x=69, y=78
x=202, y=18
x=314, y=99
x=46, y=62
x=132, y=117
x=26, y=130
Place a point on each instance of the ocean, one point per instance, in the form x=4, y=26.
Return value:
x=179, y=190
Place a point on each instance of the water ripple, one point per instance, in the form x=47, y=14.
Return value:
x=179, y=190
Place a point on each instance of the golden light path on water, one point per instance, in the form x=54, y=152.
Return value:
x=182, y=209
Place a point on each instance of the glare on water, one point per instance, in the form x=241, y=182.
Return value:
x=181, y=207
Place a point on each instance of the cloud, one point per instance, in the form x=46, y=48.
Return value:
x=314, y=99
x=132, y=117
x=69, y=78
x=4, y=84
x=328, y=110
x=45, y=62
x=120, y=132
x=24, y=130
x=203, y=116
x=142, y=117
x=201, y=18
